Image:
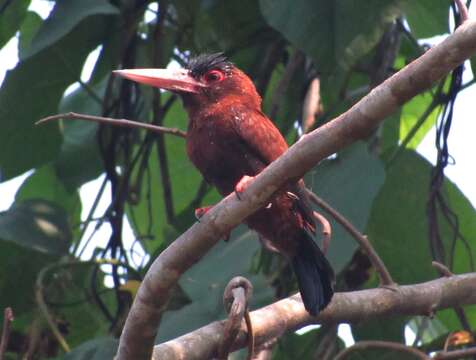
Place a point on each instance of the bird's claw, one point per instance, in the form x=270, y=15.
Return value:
x=242, y=185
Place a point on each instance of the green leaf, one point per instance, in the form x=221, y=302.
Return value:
x=356, y=175
x=399, y=217
x=335, y=34
x=28, y=30
x=390, y=133
x=44, y=184
x=66, y=15
x=97, y=349
x=204, y=284
x=79, y=158
x=40, y=82
x=12, y=17
x=411, y=113
x=427, y=18
x=38, y=225
x=20, y=267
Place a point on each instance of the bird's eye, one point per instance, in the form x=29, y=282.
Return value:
x=214, y=76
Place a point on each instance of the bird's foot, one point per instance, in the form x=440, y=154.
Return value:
x=199, y=212
x=242, y=185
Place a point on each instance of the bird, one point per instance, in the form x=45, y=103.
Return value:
x=230, y=140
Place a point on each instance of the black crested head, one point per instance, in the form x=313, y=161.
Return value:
x=200, y=64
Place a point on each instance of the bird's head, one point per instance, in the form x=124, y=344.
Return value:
x=209, y=79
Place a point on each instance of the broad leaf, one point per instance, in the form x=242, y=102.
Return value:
x=335, y=34
x=63, y=18
x=427, y=18
x=38, y=225
x=13, y=13
x=356, y=175
x=40, y=82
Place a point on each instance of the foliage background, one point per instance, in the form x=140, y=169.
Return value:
x=381, y=185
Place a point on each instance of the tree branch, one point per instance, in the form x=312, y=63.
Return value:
x=386, y=345
x=288, y=314
x=357, y=123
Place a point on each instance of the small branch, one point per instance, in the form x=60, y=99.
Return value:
x=455, y=354
x=326, y=231
x=357, y=123
x=312, y=106
x=382, y=271
x=386, y=345
x=463, y=10
x=274, y=320
x=115, y=122
x=235, y=299
x=442, y=269
x=7, y=327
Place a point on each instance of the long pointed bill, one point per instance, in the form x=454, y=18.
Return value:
x=173, y=80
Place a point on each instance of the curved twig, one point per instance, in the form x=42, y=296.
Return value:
x=115, y=122
x=386, y=345
x=326, y=230
x=382, y=271
x=463, y=10
x=235, y=299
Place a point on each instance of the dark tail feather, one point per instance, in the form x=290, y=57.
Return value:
x=314, y=275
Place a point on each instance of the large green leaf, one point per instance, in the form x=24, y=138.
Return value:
x=33, y=90
x=427, y=18
x=411, y=113
x=79, y=160
x=44, y=184
x=204, y=284
x=20, y=268
x=63, y=18
x=28, y=29
x=12, y=17
x=36, y=224
x=398, y=225
x=33, y=233
x=355, y=175
x=334, y=33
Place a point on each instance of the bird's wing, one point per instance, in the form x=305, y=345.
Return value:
x=259, y=133
x=265, y=141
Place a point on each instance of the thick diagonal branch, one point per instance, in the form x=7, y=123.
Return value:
x=141, y=326
x=288, y=314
